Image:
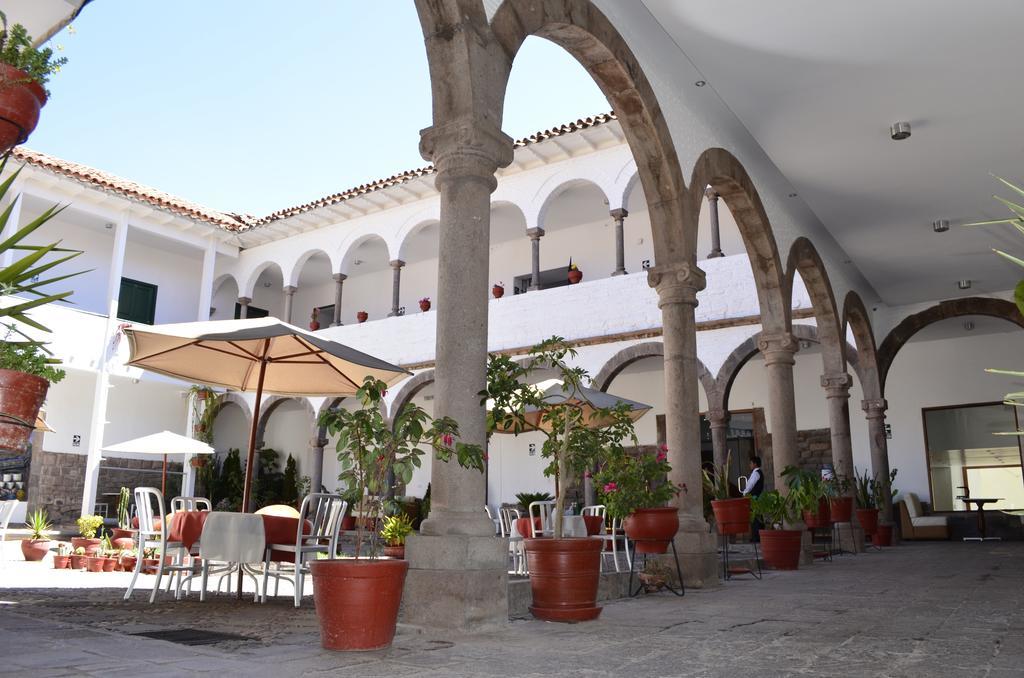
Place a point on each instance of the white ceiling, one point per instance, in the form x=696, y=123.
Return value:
x=817, y=84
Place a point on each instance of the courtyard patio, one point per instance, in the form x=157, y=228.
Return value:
x=923, y=609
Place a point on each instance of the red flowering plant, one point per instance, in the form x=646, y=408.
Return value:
x=578, y=433
x=374, y=456
x=626, y=482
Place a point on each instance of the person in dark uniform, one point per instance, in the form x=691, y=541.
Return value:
x=754, y=488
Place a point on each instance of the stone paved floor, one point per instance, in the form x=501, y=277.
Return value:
x=949, y=609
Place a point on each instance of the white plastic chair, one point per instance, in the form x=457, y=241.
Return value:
x=507, y=516
x=325, y=513
x=149, y=536
x=542, y=510
x=179, y=504
x=6, y=511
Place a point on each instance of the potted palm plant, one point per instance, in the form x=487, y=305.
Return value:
x=564, y=572
x=780, y=546
x=732, y=514
x=24, y=70
x=357, y=599
x=35, y=547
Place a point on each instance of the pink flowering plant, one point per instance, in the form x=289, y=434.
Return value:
x=375, y=457
x=578, y=434
x=626, y=482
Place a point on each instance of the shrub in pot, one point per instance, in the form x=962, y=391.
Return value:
x=88, y=526
x=780, y=547
x=396, y=529
x=635, y=488
x=732, y=514
x=357, y=600
x=37, y=545
x=810, y=492
x=24, y=70
x=564, y=572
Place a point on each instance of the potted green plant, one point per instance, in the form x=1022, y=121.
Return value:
x=564, y=572
x=780, y=547
x=732, y=514
x=357, y=599
x=88, y=526
x=314, y=319
x=811, y=494
x=867, y=505
x=840, y=499
x=498, y=290
x=62, y=558
x=396, y=529
x=24, y=70
x=78, y=558
x=635, y=488
x=38, y=544
x=883, y=533
x=575, y=275
x=127, y=560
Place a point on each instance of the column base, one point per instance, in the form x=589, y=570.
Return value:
x=615, y=273
x=851, y=542
x=698, y=553
x=456, y=582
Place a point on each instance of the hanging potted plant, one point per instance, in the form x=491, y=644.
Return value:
x=24, y=70
x=867, y=505
x=396, y=529
x=564, y=571
x=575, y=274
x=425, y=304
x=780, y=547
x=362, y=316
x=732, y=514
x=38, y=544
x=498, y=290
x=357, y=599
x=87, y=528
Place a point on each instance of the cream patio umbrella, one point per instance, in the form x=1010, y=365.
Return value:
x=265, y=355
x=163, y=443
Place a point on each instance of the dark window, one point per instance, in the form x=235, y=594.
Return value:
x=326, y=316
x=554, y=277
x=254, y=312
x=137, y=301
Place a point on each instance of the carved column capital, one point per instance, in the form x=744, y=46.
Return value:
x=619, y=214
x=711, y=194
x=339, y=277
x=469, y=149
x=718, y=418
x=244, y=301
x=396, y=263
x=318, y=443
x=837, y=385
x=676, y=283
x=289, y=289
x=535, y=233
x=778, y=348
x=874, y=407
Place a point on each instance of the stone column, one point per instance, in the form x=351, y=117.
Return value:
x=875, y=409
x=677, y=286
x=535, y=235
x=778, y=351
x=458, y=572
x=837, y=394
x=289, y=297
x=719, y=421
x=244, y=302
x=716, y=238
x=396, y=285
x=339, y=281
x=619, y=215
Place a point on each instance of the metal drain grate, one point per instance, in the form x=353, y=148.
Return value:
x=193, y=636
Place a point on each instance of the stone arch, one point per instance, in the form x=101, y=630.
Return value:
x=629, y=185
x=719, y=169
x=222, y=279
x=554, y=187
x=235, y=399
x=254, y=276
x=292, y=271
x=648, y=349
x=408, y=390
x=348, y=248
x=272, y=403
x=805, y=261
x=413, y=225
x=857, y=321
x=952, y=308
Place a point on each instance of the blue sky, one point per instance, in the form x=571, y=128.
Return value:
x=255, y=106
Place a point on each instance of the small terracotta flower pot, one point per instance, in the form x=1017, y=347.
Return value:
x=397, y=552
x=61, y=562
x=314, y=325
x=362, y=316
x=109, y=563
x=575, y=276
x=424, y=306
x=94, y=563
x=34, y=549
x=78, y=562
x=882, y=535
x=498, y=291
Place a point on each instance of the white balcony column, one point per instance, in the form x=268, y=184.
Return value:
x=396, y=285
x=13, y=219
x=289, y=298
x=716, y=236
x=619, y=215
x=188, y=472
x=98, y=423
x=535, y=235
x=244, y=302
x=339, y=282
x=206, y=284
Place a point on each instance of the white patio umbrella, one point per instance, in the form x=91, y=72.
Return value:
x=163, y=443
x=553, y=392
x=261, y=354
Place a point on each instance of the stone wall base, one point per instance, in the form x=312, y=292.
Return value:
x=698, y=556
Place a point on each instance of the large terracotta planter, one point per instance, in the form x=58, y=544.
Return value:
x=564, y=574
x=781, y=548
x=820, y=519
x=91, y=545
x=20, y=101
x=357, y=601
x=652, y=528
x=34, y=549
x=868, y=519
x=882, y=535
x=21, y=394
x=841, y=509
x=732, y=516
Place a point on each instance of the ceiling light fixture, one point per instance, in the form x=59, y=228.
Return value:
x=968, y=325
x=792, y=195
x=899, y=131
x=964, y=284
x=940, y=225
x=108, y=226
x=701, y=83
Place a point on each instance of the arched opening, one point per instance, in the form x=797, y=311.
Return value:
x=267, y=292
x=366, y=262
x=639, y=243
x=509, y=257
x=577, y=226
x=419, y=251
x=314, y=288
x=225, y=298
x=286, y=428
x=730, y=240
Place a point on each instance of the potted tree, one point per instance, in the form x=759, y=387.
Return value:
x=87, y=528
x=396, y=528
x=38, y=544
x=564, y=572
x=780, y=547
x=357, y=599
x=24, y=70
x=732, y=514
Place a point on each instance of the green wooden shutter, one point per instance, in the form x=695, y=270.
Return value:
x=137, y=301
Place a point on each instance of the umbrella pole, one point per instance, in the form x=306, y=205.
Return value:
x=249, y=463
x=163, y=480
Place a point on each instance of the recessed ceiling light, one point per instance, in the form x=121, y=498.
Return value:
x=847, y=261
x=899, y=131
x=964, y=284
x=701, y=83
x=266, y=284
x=968, y=325
x=792, y=195
x=108, y=226
x=940, y=225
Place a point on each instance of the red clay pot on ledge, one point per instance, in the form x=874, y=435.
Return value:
x=425, y=305
x=498, y=291
x=91, y=545
x=21, y=396
x=357, y=601
x=20, y=101
x=781, y=548
x=575, y=276
x=732, y=516
x=397, y=552
x=653, y=529
x=362, y=316
x=564, y=575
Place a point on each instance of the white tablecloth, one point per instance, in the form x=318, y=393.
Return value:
x=572, y=526
x=233, y=538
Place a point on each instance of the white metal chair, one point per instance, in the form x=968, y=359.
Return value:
x=542, y=510
x=6, y=511
x=179, y=504
x=497, y=524
x=324, y=512
x=507, y=516
x=149, y=536
x=611, y=538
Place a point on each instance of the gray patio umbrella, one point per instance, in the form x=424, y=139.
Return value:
x=261, y=354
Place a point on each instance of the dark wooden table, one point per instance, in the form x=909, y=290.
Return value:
x=980, y=503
